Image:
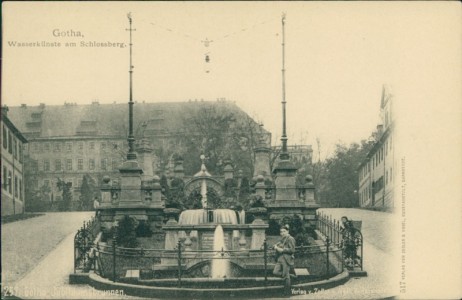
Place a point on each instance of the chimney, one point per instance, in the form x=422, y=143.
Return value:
x=380, y=129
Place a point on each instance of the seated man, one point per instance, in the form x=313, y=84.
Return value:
x=285, y=250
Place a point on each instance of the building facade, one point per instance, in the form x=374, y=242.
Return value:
x=68, y=142
x=376, y=173
x=13, y=145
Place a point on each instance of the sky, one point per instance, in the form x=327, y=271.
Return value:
x=337, y=58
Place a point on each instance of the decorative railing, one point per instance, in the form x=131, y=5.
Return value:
x=350, y=239
x=83, y=243
x=114, y=263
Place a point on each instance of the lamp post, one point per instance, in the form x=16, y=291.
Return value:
x=131, y=139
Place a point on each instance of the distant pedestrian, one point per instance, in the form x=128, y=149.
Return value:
x=96, y=206
x=349, y=243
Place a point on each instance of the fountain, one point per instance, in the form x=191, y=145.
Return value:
x=220, y=262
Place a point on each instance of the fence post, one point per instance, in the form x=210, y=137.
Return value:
x=265, y=259
x=327, y=255
x=84, y=234
x=362, y=254
x=114, y=242
x=179, y=264
x=75, y=249
x=96, y=259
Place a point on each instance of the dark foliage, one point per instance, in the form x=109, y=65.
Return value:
x=126, y=233
x=143, y=229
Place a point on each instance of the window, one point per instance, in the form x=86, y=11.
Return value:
x=15, y=148
x=5, y=178
x=16, y=194
x=115, y=164
x=5, y=137
x=57, y=147
x=92, y=145
x=46, y=165
x=20, y=189
x=10, y=144
x=58, y=165
x=80, y=164
x=69, y=164
x=20, y=153
x=46, y=146
x=91, y=164
x=9, y=182
x=34, y=165
x=46, y=182
x=103, y=146
x=80, y=145
x=69, y=147
x=79, y=182
x=104, y=164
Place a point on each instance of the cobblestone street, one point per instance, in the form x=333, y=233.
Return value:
x=48, y=279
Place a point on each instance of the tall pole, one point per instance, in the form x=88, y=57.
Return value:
x=131, y=139
x=284, y=155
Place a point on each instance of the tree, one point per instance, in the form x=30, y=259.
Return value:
x=342, y=173
x=220, y=133
x=87, y=192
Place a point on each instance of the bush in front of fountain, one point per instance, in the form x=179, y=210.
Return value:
x=303, y=233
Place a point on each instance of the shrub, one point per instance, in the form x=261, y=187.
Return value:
x=298, y=228
x=126, y=234
x=143, y=229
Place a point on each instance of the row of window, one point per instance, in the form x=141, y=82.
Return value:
x=12, y=144
x=11, y=184
x=69, y=146
x=376, y=159
x=90, y=164
x=376, y=186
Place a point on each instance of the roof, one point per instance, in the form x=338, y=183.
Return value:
x=107, y=120
x=11, y=126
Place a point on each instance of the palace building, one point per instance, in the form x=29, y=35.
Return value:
x=376, y=172
x=69, y=141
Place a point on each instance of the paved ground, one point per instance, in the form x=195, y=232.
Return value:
x=49, y=278
x=26, y=242
x=377, y=229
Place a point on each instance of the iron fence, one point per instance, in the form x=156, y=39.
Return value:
x=83, y=243
x=350, y=240
x=118, y=263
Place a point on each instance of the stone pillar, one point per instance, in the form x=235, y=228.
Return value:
x=106, y=197
x=171, y=236
x=262, y=162
x=309, y=190
x=131, y=194
x=145, y=158
x=258, y=227
x=260, y=187
x=178, y=170
x=228, y=170
x=156, y=192
x=286, y=189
